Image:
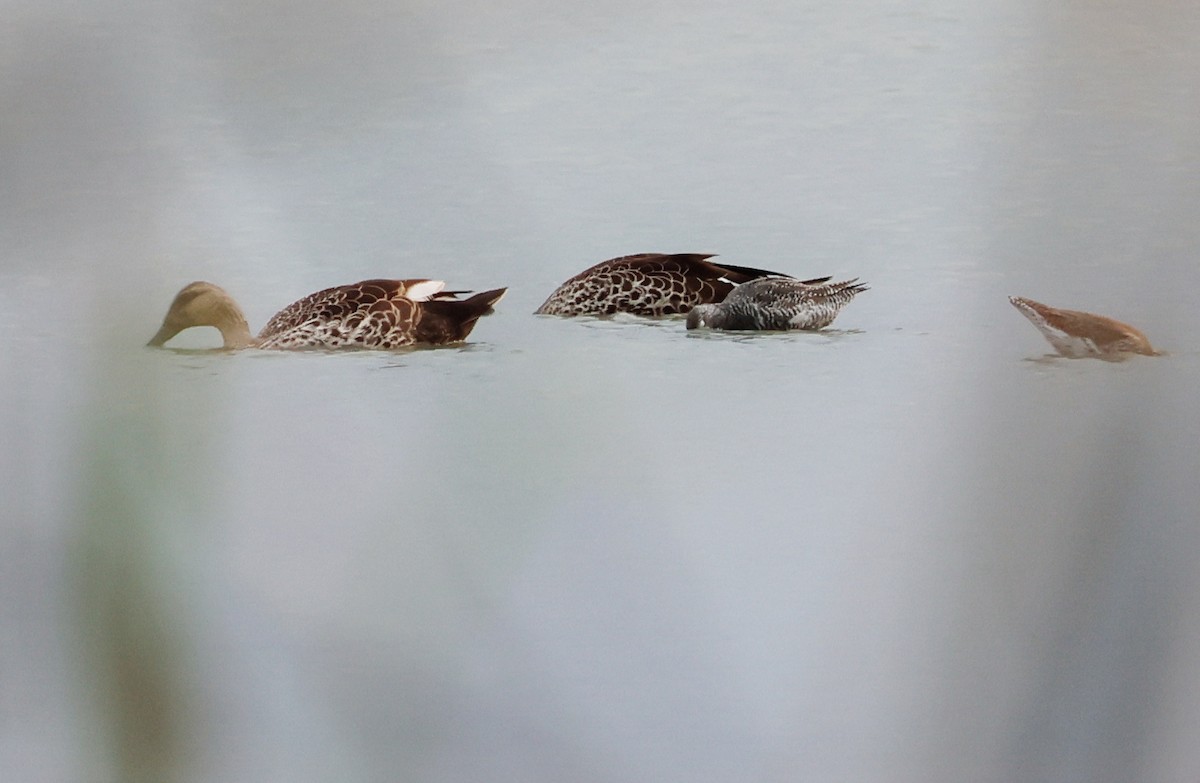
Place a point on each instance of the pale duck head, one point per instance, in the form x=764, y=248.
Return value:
x=205, y=304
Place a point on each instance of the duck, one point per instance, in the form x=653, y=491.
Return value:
x=777, y=304
x=1078, y=335
x=651, y=284
x=379, y=314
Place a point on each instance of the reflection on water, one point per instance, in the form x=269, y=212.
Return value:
x=912, y=547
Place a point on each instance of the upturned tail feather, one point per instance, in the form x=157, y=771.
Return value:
x=474, y=307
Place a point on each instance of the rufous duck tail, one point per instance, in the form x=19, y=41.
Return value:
x=1078, y=335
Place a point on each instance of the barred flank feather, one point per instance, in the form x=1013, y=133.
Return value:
x=777, y=303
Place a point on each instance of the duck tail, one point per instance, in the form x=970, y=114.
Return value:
x=851, y=286
x=469, y=309
x=483, y=301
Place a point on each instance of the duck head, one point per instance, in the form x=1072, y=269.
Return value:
x=706, y=316
x=205, y=304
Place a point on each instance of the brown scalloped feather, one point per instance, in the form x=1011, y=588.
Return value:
x=648, y=284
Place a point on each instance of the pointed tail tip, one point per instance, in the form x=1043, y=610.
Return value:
x=485, y=300
x=1028, y=306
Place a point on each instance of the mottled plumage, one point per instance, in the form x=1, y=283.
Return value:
x=380, y=314
x=1078, y=335
x=777, y=303
x=648, y=284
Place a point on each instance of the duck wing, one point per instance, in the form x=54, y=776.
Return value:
x=340, y=302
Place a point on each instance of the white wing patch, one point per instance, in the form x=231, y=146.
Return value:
x=422, y=291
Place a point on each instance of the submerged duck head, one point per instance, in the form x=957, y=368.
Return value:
x=706, y=316
x=205, y=304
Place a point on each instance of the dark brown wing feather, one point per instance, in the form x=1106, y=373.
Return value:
x=743, y=274
x=451, y=320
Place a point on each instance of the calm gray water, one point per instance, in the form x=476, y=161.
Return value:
x=909, y=548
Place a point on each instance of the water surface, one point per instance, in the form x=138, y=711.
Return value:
x=909, y=547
